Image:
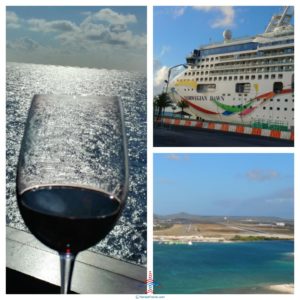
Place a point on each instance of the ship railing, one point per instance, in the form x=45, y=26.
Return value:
x=257, y=55
x=242, y=71
x=255, y=65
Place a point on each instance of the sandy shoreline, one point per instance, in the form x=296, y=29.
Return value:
x=287, y=288
x=169, y=239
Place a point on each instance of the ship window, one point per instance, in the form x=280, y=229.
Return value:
x=271, y=108
x=259, y=76
x=264, y=107
x=242, y=87
x=286, y=100
x=201, y=79
x=266, y=76
x=211, y=59
x=292, y=109
x=189, y=73
x=202, y=73
x=210, y=78
x=278, y=108
x=198, y=67
x=280, y=76
x=273, y=76
x=285, y=109
x=205, y=79
x=278, y=100
x=247, y=77
x=220, y=78
x=253, y=77
x=277, y=87
x=206, y=72
x=230, y=78
x=197, y=79
x=241, y=77
x=292, y=82
x=215, y=78
x=207, y=66
x=197, y=73
x=185, y=73
x=235, y=77
x=225, y=78
x=203, y=88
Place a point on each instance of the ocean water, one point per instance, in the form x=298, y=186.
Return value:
x=127, y=241
x=222, y=267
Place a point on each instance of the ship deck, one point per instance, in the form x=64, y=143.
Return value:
x=34, y=268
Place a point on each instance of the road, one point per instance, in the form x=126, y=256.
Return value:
x=248, y=230
x=172, y=136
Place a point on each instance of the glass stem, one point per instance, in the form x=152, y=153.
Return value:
x=66, y=268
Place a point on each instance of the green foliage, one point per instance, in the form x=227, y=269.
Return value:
x=251, y=238
x=161, y=102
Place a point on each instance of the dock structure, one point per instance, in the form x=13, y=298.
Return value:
x=226, y=127
x=94, y=273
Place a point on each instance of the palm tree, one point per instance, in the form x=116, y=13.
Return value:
x=162, y=101
x=182, y=104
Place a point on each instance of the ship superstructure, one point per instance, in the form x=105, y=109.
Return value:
x=245, y=81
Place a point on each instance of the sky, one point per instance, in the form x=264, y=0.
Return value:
x=247, y=184
x=97, y=37
x=179, y=30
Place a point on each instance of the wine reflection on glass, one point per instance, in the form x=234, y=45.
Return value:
x=72, y=178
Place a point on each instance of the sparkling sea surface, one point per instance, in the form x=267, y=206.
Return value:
x=127, y=241
x=204, y=268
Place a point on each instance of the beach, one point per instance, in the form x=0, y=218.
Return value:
x=281, y=288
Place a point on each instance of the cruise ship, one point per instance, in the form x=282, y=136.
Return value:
x=247, y=81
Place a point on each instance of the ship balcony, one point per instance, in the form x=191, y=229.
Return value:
x=257, y=56
x=249, y=71
x=255, y=65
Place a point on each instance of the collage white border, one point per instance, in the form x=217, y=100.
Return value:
x=150, y=148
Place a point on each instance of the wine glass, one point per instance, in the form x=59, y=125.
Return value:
x=72, y=177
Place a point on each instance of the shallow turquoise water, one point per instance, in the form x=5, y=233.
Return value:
x=220, y=267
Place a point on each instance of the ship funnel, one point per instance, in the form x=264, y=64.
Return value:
x=227, y=35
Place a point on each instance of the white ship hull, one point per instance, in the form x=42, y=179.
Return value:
x=225, y=105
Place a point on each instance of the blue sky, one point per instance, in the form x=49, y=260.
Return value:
x=179, y=30
x=101, y=37
x=224, y=184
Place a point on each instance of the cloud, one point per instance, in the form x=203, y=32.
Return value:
x=12, y=20
x=164, y=50
x=278, y=203
x=160, y=75
x=178, y=11
x=262, y=175
x=112, y=17
x=24, y=43
x=42, y=25
x=227, y=15
x=102, y=39
x=176, y=157
x=282, y=196
x=102, y=27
